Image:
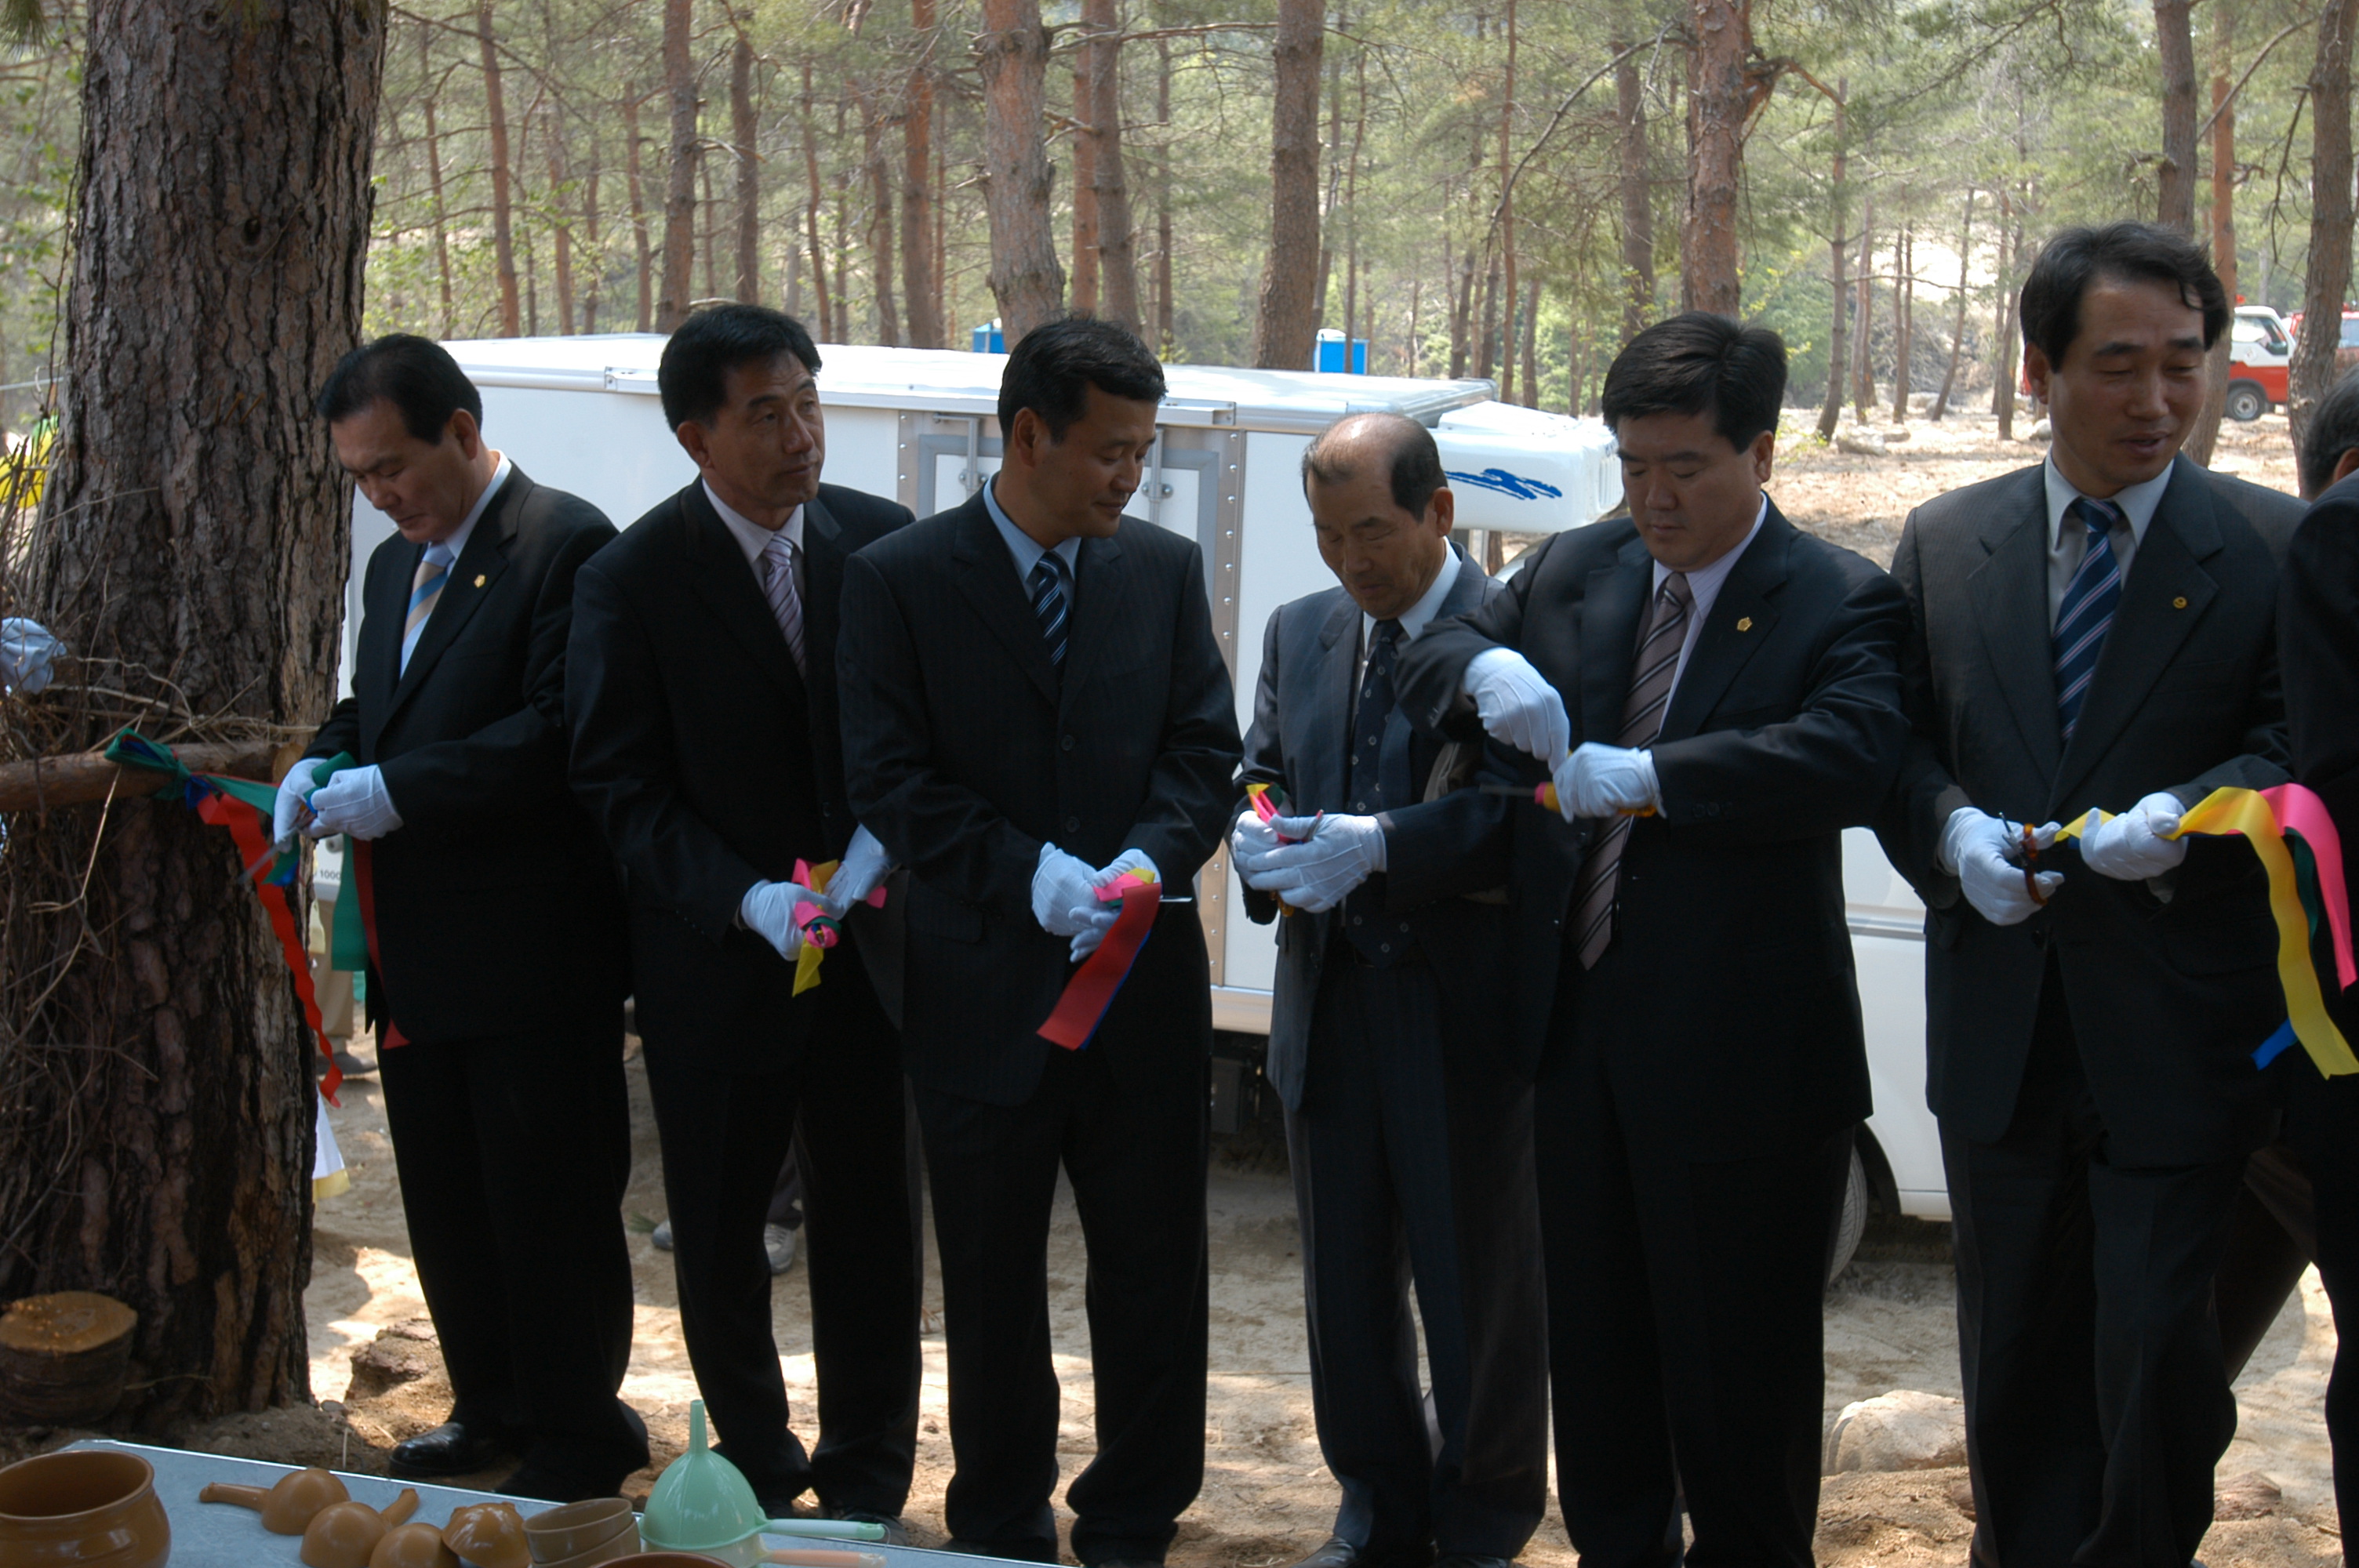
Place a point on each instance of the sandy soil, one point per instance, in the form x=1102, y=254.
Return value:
x=1267, y=1497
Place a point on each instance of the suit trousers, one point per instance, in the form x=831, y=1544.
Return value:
x=725, y=1134
x=1685, y=1345
x=1137, y=1161
x=1413, y=1165
x=513, y=1154
x=2097, y=1402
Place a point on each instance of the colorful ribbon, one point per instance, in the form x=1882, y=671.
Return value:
x=1094, y=985
x=821, y=931
x=2291, y=832
x=243, y=807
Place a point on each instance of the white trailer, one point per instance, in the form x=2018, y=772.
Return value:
x=919, y=426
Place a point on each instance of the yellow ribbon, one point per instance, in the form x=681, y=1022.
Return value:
x=811, y=955
x=2243, y=811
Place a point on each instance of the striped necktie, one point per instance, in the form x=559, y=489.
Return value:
x=1052, y=603
x=779, y=588
x=2087, y=612
x=1642, y=722
x=425, y=590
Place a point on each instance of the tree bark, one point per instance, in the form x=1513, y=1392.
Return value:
x=1083, y=290
x=218, y=244
x=1904, y=319
x=1507, y=210
x=639, y=238
x=593, y=243
x=2010, y=257
x=743, y=131
x=1637, y=200
x=1285, y=321
x=1716, y=165
x=819, y=297
x=1118, y=252
x=681, y=164
x=708, y=234
x=1026, y=278
x=880, y=222
x=1165, y=318
x=2205, y=437
x=561, y=233
x=2328, y=282
x=1461, y=323
x=1839, y=313
x=919, y=286
x=1863, y=380
x=1352, y=224
x=496, y=112
x=1531, y=382
x=2174, y=50
x=434, y=175
x=1958, y=319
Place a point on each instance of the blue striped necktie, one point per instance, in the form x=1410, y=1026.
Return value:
x=2087, y=612
x=425, y=591
x=1052, y=603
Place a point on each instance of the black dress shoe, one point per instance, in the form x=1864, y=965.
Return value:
x=454, y=1448
x=895, y=1532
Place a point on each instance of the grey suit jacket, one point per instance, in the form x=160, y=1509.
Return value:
x=1435, y=851
x=2167, y=999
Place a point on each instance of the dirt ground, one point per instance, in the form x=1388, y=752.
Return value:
x=1267, y=1497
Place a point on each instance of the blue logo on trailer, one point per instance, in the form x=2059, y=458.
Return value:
x=1509, y=484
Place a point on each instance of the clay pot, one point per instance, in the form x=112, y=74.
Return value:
x=287, y=1507
x=412, y=1546
x=490, y=1535
x=564, y=1532
x=343, y=1535
x=82, y=1507
x=624, y=1542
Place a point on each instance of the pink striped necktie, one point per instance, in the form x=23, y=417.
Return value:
x=1642, y=724
x=778, y=586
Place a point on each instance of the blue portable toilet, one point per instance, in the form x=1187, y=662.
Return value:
x=989, y=340
x=1328, y=357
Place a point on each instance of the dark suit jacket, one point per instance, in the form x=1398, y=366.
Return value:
x=711, y=763
x=1436, y=851
x=496, y=907
x=2318, y=639
x=2167, y=999
x=965, y=751
x=1741, y=1034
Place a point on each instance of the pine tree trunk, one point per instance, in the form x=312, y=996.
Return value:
x=593, y=243
x=1082, y=290
x=880, y=224
x=2205, y=437
x=434, y=175
x=2329, y=273
x=561, y=235
x=1026, y=279
x=639, y=238
x=2174, y=48
x=1958, y=320
x=815, y=196
x=1531, y=382
x=742, y=132
x=1862, y=353
x=1716, y=167
x=1117, y=255
x=2010, y=256
x=1165, y=318
x=195, y=525
x=1638, y=201
x=679, y=186
x=919, y=286
x=1507, y=210
x=1904, y=319
x=502, y=231
x=1285, y=320
x=1839, y=315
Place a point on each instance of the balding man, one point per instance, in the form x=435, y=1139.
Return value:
x=1408, y=1131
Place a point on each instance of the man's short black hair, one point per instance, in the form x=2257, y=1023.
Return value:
x=1416, y=470
x=1698, y=362
x=2126, y=252
x=1051, y=370
x=2334, y=431
x=415, y=374
x=693, y=374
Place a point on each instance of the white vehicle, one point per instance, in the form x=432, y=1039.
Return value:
x=917, y=425
x=2260, y=353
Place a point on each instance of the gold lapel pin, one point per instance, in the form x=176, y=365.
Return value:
x=2180, y=604
x=1744, y=623
x=479, y=582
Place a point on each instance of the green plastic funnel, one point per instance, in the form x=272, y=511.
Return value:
x=701, y=1502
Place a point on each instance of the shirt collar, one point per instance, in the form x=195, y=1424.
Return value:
x=457, y=543
x=751, y=536
x=1704, y=583
x=2136, y=501
x=1418, y=616
x=1022, y=546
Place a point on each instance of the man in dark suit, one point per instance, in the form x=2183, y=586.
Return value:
x=1683, y=971
x=706, y=743
x=2096, y=630
x=1408, y=1127
x=497, y=966
x=1035, y=706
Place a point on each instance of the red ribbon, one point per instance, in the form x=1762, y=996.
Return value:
x=245, y=824
x=1093, y=986
x=365, y=883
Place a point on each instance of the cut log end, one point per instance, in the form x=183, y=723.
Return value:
x=64, y=1357
x=71, y=1322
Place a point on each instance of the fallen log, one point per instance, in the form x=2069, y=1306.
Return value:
x=79, y=777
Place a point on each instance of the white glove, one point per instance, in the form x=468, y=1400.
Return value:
x=2131, y=848
x=1251, y=836
x=863, y=868
x=1338, y=853
x=291, y=809
x=1103, y=917
x=354, y=802
x=1518, y=707
x=1605, y=781
x=1064, y=894
x=768, y=910
x=1975, y=849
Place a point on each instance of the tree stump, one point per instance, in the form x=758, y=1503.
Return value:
x=63, y=1357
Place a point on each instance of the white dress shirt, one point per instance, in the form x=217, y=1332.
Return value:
x=451, y=549
x=1414, y=620
x=751, y=536
x=1025, y=550
x=2067, y=547
x=1703, y=587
